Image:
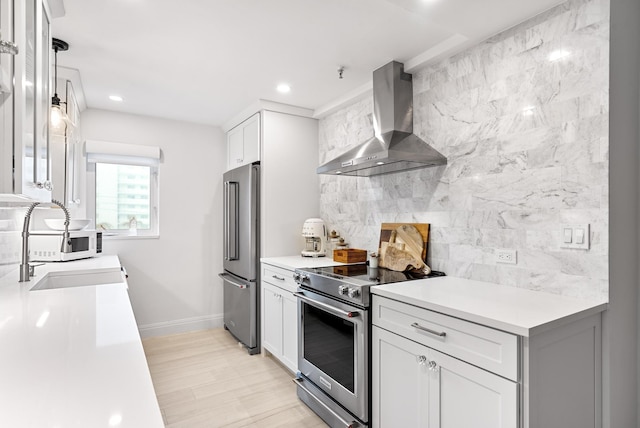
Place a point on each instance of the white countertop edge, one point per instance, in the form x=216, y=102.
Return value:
x=100, y=263
x=298, y=262
x=511, y=309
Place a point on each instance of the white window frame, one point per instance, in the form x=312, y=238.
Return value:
x=124, y=154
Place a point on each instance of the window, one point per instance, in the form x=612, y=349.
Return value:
x=123, y=188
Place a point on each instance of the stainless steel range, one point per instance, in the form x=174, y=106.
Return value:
x=334, y=360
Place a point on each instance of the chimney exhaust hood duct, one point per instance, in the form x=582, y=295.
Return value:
x=394, y=148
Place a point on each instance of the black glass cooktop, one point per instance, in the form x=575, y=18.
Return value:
x=377, y=276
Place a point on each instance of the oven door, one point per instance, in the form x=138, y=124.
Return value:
x=333, y=339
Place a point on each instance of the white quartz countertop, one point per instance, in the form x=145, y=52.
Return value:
x=511, y=309
x=297, y=262
x=72, y=357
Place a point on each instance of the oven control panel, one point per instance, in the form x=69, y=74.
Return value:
x=300, y=277
x=352, y=292
x=334, y=286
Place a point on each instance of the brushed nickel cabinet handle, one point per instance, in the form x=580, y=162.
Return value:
x=428, y=330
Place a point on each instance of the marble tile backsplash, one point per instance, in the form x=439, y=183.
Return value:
x=523, y=121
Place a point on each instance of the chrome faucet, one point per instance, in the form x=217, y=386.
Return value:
x=26, y=271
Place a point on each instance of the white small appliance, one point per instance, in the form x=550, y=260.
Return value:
x=45, y=245
x=315, y=237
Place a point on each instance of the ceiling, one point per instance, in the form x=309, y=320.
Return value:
x=205, y=61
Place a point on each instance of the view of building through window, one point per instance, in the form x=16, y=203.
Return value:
x=123, y=196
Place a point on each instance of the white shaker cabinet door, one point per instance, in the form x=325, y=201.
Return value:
x=416, y=386
x=401, y=383
x=251, y=137
x=289, y=330
x=243, y=143
x=272, y=318
x=471, y=397
x=280, y=315
x=235, y=148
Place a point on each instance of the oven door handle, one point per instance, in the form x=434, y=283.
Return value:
x=328, y=308
x=352, y=424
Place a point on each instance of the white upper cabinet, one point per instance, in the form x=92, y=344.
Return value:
x=25, y=164
x=243, y=143
x=285, y=141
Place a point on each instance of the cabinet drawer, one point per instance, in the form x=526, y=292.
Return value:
x=282, y=278
x=485, y=347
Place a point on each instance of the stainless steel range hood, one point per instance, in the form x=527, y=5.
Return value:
x=394, y=148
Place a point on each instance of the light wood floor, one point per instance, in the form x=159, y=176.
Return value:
x=204, y=379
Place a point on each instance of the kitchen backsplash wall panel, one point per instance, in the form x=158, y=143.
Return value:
x=523, y=121
x=11, y=220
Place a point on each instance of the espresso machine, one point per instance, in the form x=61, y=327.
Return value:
x=315, y=237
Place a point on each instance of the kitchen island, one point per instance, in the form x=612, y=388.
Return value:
x=72, y=356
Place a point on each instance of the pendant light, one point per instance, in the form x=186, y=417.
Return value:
x=58, y=116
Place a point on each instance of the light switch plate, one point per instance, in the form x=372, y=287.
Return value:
x=579, y=232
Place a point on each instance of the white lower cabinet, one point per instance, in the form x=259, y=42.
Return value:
x=272, y=316
x=279, y=315
x=432, y=370
x=290, y=330
x=416, y=386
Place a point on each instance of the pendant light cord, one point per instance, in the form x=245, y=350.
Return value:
x=58, y=45
x=55, y=72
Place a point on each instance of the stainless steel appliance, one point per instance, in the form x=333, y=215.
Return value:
x=241, y=255
x=315, y=238
x=394, y=146
x=46, y=245
x=334, y=349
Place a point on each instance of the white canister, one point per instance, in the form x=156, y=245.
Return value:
x=373, y=260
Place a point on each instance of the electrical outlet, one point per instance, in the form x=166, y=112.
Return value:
x=504, y=255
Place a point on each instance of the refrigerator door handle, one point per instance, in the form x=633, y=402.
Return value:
x=237, y=284
x=231, y=232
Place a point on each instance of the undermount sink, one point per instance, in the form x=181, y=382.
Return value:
x=77, y=279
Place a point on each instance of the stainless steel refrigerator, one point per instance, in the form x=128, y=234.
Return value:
x=241, y=276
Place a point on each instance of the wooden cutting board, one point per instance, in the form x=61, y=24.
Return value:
x=423, y=228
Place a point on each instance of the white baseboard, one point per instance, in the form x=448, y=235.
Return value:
x=184, y=325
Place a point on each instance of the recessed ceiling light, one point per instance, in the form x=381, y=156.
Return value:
x=115, y=420
x=528, y=111
x=117, y=98
x=284, y=88
x=559, y=54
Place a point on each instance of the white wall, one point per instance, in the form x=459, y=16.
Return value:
x=173, y=280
